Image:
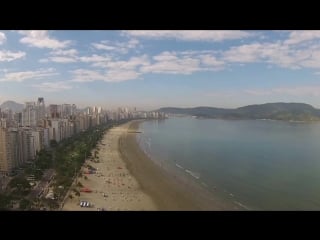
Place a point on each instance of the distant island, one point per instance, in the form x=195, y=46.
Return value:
x=274, y=111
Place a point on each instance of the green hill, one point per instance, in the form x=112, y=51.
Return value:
x=275, y=111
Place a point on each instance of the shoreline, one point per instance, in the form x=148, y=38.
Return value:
x=168, y=191
x=127, y=179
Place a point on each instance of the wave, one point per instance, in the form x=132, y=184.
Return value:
x=179, y=166
x=241, y=205
x=195, y=175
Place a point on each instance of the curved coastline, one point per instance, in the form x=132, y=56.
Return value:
x=168, y=191
x=127, y=179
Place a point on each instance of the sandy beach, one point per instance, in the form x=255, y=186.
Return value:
x=126, y=179
x=113, y=187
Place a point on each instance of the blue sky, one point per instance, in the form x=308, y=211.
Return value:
x=152, y=69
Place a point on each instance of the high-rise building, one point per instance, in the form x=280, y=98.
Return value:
x=4, y=123
x=17, y=117
x=65, y=110
x=10, y=149
x=94, y=110
x=41, y=109
x=55, y=130
x=46, y=138
x=29, y=143
x=73, y=109
x=89, y=110
x=3, y=150
x=29, y=115
x=8, y=114
x=53, y=109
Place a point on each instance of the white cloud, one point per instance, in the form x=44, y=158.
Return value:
x=62, y=56
x=70, y=56
x=130, y=64
x=190, y=35
x=101, y=46
x=133, y=43
x=296, y=52
x=120, y=75
x=171, y=64
x=212, y=61
x=275, y=53
x=95, y=58
x=166, y=56
x=84, y=75
x=21, y=76
x=2, y=38
x=296, y=37
x=60, y=59
x=255, y=52
x=114, y=46
x=52, y=86
x=70, y=52
x=43, y=60
x=110, y=71
x=309, y=58
x=7, y=56
x=41, y=39
x=244, y=53
x=186, y=62
x=165, y=62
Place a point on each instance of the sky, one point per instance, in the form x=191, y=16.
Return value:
x=153, y=69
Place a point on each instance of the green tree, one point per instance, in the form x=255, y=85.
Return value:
x=20, y=183
x=4, y=201
x=53, y=143
x=25, y=204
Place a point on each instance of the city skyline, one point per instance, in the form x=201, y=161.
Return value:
x=153, y=69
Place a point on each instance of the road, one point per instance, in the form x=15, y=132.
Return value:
x=38, y=190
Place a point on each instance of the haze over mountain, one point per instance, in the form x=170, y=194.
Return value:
x=275, y=111
x=14, y=106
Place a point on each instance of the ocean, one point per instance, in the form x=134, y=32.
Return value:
x=256, y=164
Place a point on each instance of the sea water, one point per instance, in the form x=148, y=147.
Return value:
x=257, y=164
